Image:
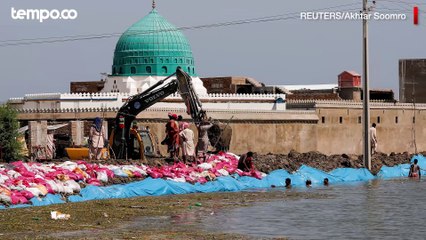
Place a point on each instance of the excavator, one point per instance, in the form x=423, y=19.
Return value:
x=125, y=140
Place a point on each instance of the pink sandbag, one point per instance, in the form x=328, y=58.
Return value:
x=202, y=180
x=27, y=194
x=74, y=176
x=91, y=173
x=256, y=174
x=231, y=170
x=26, y=173
x=154, y=173
x=94, y=182
x=137, y=174
x=17, y=198
x=219, y=165
x=109, y=172
x=189, y=179
x=17, y=164
x=39, y=181
x=166, y=172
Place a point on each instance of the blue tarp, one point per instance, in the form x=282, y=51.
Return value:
x=402, y=170
x=47, y=200
x=351, y=174
x=157, y=187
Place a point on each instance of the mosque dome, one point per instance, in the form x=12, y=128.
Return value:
x=152, y=47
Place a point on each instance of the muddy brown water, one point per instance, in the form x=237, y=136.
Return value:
x=380, y=209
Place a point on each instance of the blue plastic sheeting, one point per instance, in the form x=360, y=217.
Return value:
x=421, y=161
x=400, y=170
x=351, y=174
x=47, y=200
x=157, y=187
x=317, y=176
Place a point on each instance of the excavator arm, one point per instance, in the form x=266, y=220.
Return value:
x=149, y=97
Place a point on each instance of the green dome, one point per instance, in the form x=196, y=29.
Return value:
x=152, y=47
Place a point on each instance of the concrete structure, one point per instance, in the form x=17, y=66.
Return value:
x=412, y=80
x=237, y=85
x=350, y=85
x=87, y=87
x=100, y=102
x=330, y=127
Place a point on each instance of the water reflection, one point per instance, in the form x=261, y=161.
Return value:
x=392, y=209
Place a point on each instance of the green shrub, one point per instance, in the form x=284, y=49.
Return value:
x=8, y=133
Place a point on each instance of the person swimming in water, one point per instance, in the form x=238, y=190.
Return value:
x=325, y=181
x=288, y=183
x=414, y=170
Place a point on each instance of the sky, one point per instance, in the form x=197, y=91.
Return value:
x=282, y=52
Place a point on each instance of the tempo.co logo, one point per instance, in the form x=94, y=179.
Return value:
x=43, y=14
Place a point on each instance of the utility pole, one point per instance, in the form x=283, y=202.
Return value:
x=366, y=91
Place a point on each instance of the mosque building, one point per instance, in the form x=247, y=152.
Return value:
x=147, y=52
x=150, y=50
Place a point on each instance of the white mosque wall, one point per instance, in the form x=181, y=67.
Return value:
x=138, y=84
x=59, y=101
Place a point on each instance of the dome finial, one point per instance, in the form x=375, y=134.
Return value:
x=153, y=4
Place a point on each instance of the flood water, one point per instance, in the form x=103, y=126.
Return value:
x=380, y=209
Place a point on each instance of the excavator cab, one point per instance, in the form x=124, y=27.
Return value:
x=150, y=143
x=141, y=143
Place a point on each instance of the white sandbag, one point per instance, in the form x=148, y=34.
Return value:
x=35, y=191
x=176, y=179
x=223, y=172
x=73, y=185
x=102, y=176
x=5, y=198
x=68, y=165
x=205, y=166
x=3, y=178
x=13, y=174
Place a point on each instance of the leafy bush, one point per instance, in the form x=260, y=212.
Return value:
x=9, y=133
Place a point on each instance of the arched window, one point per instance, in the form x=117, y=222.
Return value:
x=152, y=60
x=279, y=100
x=193, y=70
x=175, y=60
x=161, y=60
x=133, y=70
x=148, y=69
x=121, y=71
x=167, y=60
x=180, y=60
x=146, y=60
x=189, y=70
x=164, y=69
x=113, y=71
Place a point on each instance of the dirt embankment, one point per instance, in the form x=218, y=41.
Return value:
x=293, y=160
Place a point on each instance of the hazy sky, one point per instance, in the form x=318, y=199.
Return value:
x=291, y=51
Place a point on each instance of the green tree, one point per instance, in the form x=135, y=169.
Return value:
x=9, y=133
